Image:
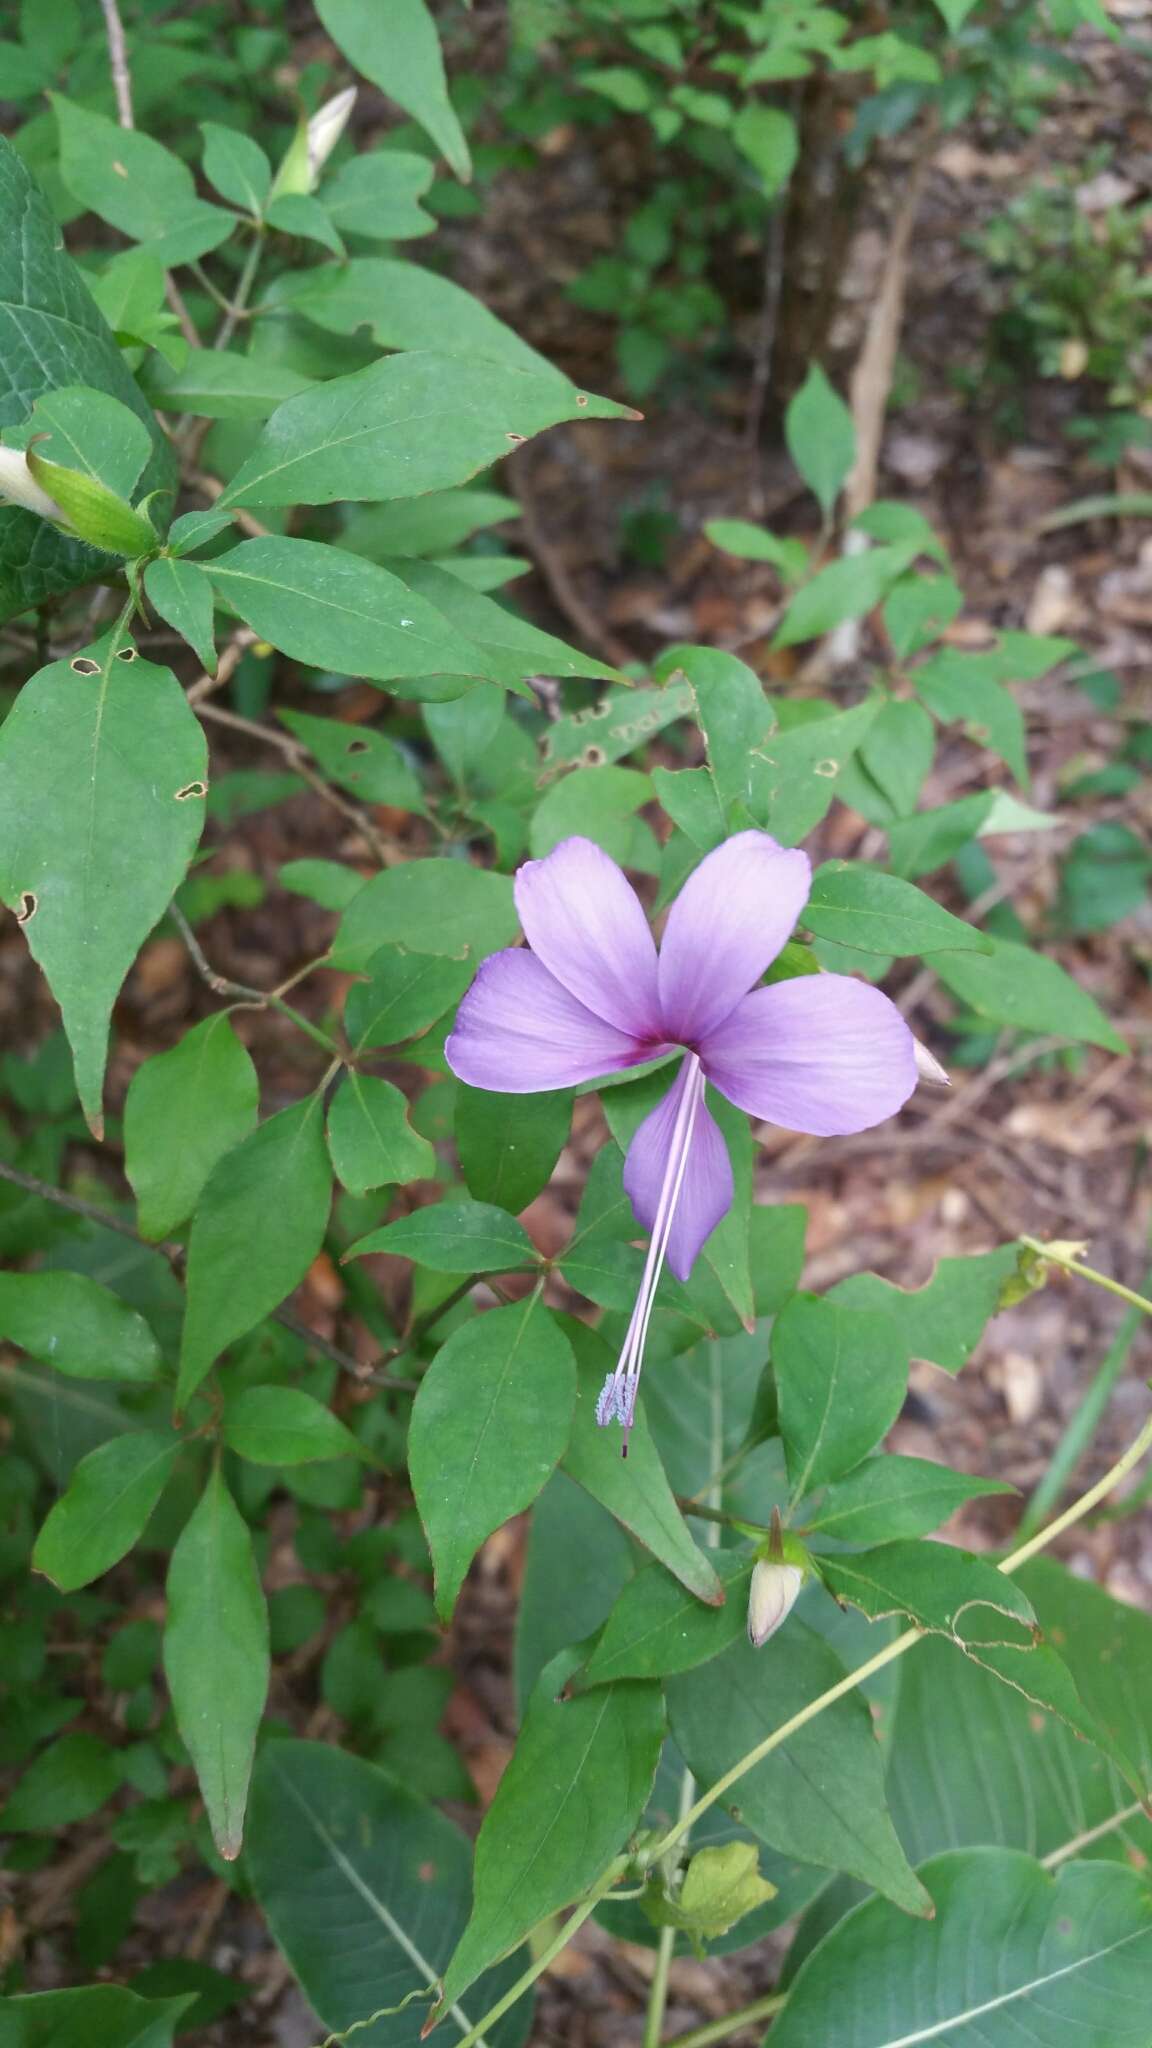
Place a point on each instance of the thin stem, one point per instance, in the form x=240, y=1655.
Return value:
x=719, y=2030
x=1137, y=1810
x=658, y=1992
x=559, y=1941
x=688, y=1506
x=246, y=997
x=297, y=756
x=1053, y=1256
x=118, y=62
x=1083, y=1424
x=75, y=1205
x=238, y=308
x=1086, y=1502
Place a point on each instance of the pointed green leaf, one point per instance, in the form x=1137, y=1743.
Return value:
x=944, y=1320
x=400, y=53
x=860, y=906
x=576, y=1787
x=136, y=185
x=110, y=1496
x=285, y=1426
x=370, y=435
x=216, y=1656
x=182, y=594
x=249, y=1247
x=405, y=995
x=95, y=2016
x=102, y=784
x=795, y=783
x=454, y=1237
x=938, y=1587
x=404, y=306
x=512, y=647
x=1028, y=991
x=509, y=1144
x=657, y=1628
x=236, y=167
x=841, y=1376
x=821, y=437
x=360, y=759
x=489, y=1424
x=378, y=196
x=185, y=1109
x=444, y=908
x=892, y=1496
x=820, y=1795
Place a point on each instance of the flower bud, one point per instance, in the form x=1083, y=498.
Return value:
x=20, y=487
x=325, y=129
x=928, y=1066
x=773, y=1594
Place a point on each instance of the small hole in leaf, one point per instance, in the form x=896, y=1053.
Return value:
x=581, y=398
x=517, y=438
x=27, y=909
x=357, y=747
x=82, y=666
x=191, y=789
x=594, y=757
x=125, y=654
x=827, y=768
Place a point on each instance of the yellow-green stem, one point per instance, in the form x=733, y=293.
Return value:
x=719, y=2030
x=559, y=1940
x=1054, y=1257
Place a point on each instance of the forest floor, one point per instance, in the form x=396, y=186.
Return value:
x=1056, y=1149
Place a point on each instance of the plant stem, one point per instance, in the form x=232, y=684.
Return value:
x=1055, y=1257
x=258, y=998
x=559, y=1941
x=1104, y=1827
x=719, y=2030
x=1083, y=1424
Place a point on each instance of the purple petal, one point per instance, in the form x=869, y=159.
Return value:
x=517, y=1031
x=584, y=921
x=822, y=1054
x=706, y=1189
x=726, y=926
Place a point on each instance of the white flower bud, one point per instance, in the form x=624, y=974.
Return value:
x=773, y=1594
x=325, y=129
x=20, y=487
x=928, y=1066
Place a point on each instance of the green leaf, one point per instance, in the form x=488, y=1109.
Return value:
x=96, y=2016
x=335, y=1843
x=332, y=610
x=185, y=1109
x=68, y=1781
x=793, y=786
x=898, y=750
x=634, y=1489
x=512, y=648
x=619, y=723
x=821, y=437
x=600, y=803
x=509, y=1144
x=51, y=336
x=736, y=718
x=754, y=544
x=404, y=306
x=182, y=594
x=90, y=877
x=110, y=1496
x=136, y=185
x=76, y=1326
x=917, y=845
x=431, y=525
x=861, y=906
x=578, y=1560
x=216, y=1656
x=370, y=1138
x=443, y=908
x=918, y=611
x=938, y=1587
x=576, y=1787
x=377, y=196
x=1107, y=1646
x=820, y=1795
x=969, y=690
x=285, y=1426
x=944, y=1320
x=237, y=167
x=402, y=56
x=358, y=758
x=219, y=384
x=1013, y=1954
x=721, y=1885
x=454, y=1237
x=489, y=1424
x=844, y=589
x=1029, y=992
x=657, y=1628
x=841, y=1376
x=249, y=1247
x=767, y=137
x=892, y=1496
x=405, y=995
x=367, y=435
x=298, y=213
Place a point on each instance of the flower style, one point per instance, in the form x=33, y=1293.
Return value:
x=821, y=1053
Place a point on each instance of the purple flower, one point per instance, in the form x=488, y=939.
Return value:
x=822, y=1053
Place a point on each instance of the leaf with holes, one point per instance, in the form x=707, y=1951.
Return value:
x=102, y=785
